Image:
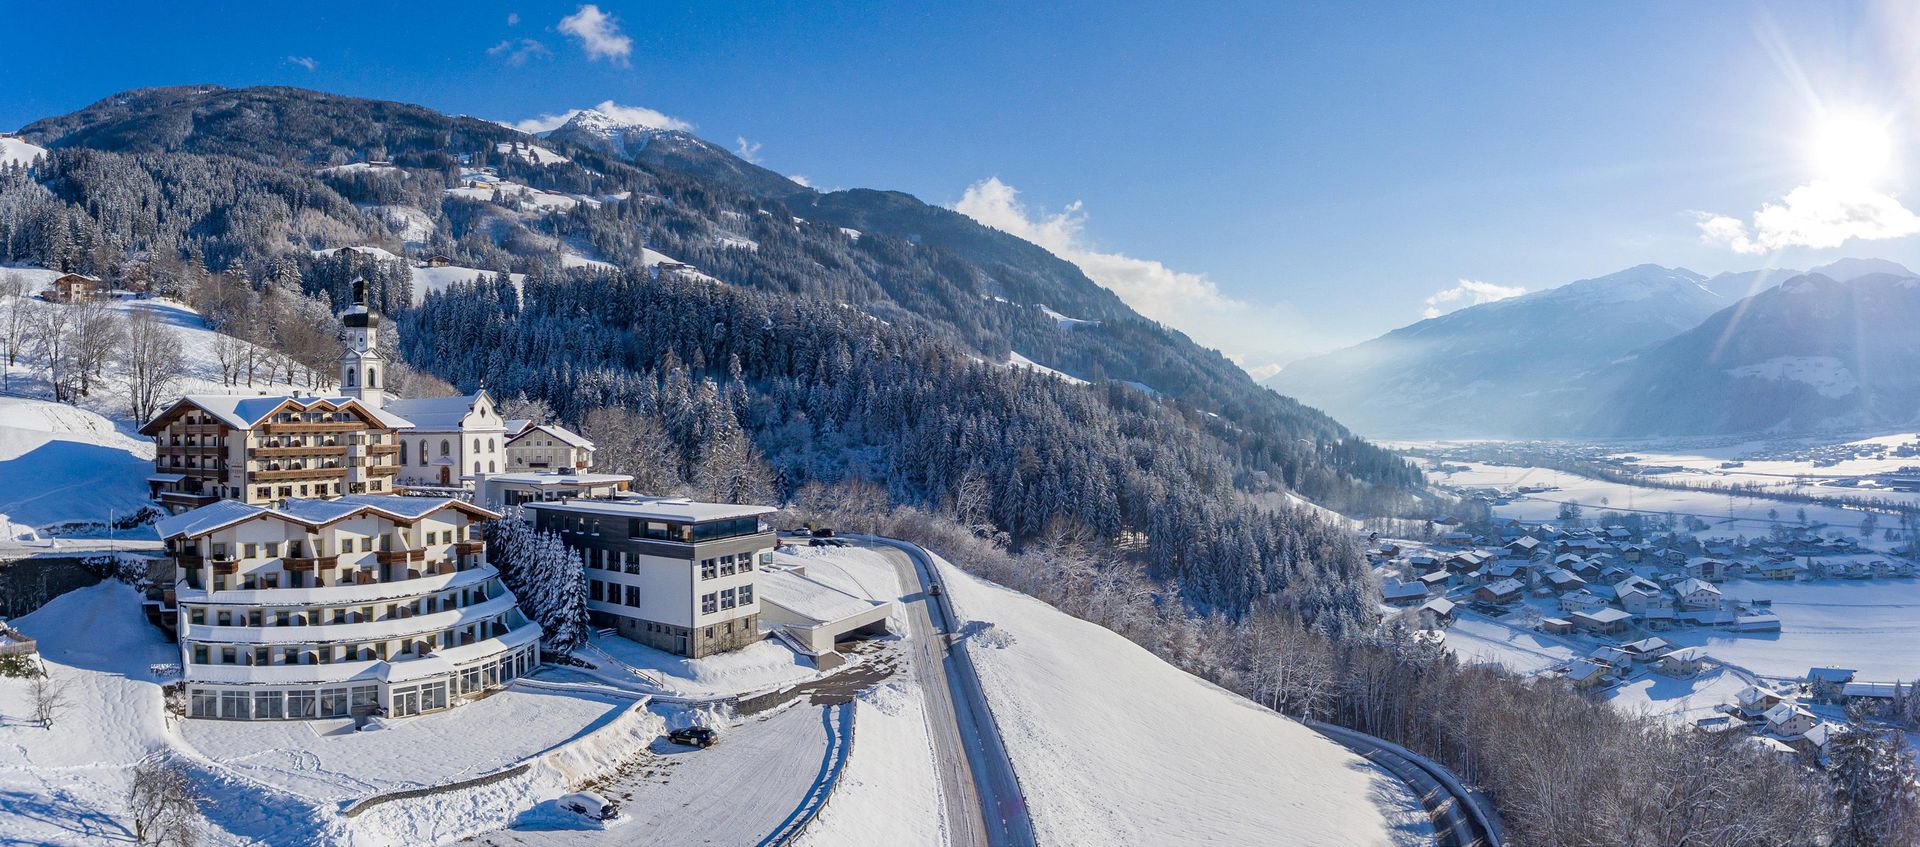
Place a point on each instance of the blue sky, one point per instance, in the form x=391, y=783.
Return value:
x=1272, y=178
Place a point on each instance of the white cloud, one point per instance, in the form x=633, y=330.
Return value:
x=640, y=115
x=1258, y=337
x=513, y=19
x=799, y=180
x=1468, y=292
x=746, y=149
x=1820, y=214
x=599, y=34
x=307, y=62
x=516, y=52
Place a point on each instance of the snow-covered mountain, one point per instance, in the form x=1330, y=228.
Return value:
x=671, y=148
x=14, y=151
x=1813, y=353
x=1502, y=368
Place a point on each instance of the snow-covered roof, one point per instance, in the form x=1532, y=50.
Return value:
x=1647, y=645
x=1506, y=586
x=566, y=436
x=1403, y=591
x=223, y=513
x=559, y=479
x=436, y=414
x=1695, y=586
x=1583, y=670
x=796, y=592
x=1603, y=615
x=1753, y=694
x=1835, y=675
x=245, y=411
x=1439, y=606
x=658, y=508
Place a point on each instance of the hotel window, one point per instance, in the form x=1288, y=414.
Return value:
x=709, y=603
x=708, y=569
x=633, y=596
x=301, y=704
x=233, y=704
x=726, y=565
x=196, y=615
x=248, y=550
x=726, y=598
x=746, y=594
x=199, y=654
x=746, y=562
x=206, y=704
x=333, y=703
x=267, y=705
x=595, y=589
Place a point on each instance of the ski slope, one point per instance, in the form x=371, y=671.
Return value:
x=1114, y=746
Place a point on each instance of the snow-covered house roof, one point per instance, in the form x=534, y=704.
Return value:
x=561, y=433
x=1605, y=615
x=1647, y=645
x=1505, y=586
x=1783, y=712
x=1403, y=591
x=1582, y=670
x=1695, y=586
x=1754, y=695
x=659, y=508
x=244, y=411
x=797, y=592
x=1831, y=675
x=1439, y=606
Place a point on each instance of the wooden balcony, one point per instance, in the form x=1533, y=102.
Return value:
x=397, y=557
x=382, y=470
x=202, y=429
x=314, y=426
x=301, y=450
x=182, y=498
x=192, y=449
x=379, y=449
x=297, y=473
x=308, y=563
x=468, y=548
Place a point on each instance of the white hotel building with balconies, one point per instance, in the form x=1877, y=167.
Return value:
x=335, y=608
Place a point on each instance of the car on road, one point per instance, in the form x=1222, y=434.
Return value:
x=694, y=736
x=933, y=590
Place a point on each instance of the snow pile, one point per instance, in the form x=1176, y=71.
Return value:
x=1114, y=746
x=14, y=151
x=888, y=793
x=760, y=666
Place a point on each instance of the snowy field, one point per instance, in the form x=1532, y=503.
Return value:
x=1728, y=516
x=757, y=667
x=1475, y=638
x=1680, y=699
x=1872, y=626
x=1114, y=746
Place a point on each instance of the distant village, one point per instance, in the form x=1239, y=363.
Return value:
x=1614, y=590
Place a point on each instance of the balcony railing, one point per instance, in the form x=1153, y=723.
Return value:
x=307, y=563
x=382, y=470
x=302, y=450
x=468, y=548
x=398, y=557
x=297, y=473
x=314, y=426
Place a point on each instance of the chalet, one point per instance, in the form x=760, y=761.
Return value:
x=1752, y=702
x=1637, y=594
x=1619, y=533
x=1436, y=613
x=1612, y=657
x=1403, y=594
x=1604, y=621
x=1779, y=570
x=1467, y=561
x=438, y=261
x=1586, y=675
x=1648, y=649
x=1453, y=538
x=1436, y=582
x=543, y=447
x=1581, y=600
x=1633, y=552
x=1556, y=626
x=1813, y=742
x=1504, y=591
x=1825, y=685
x=261, y=450
x=1697, y=594
x=1525, y=547
x=1682, y=663
x=1563, y=580
x=1706, y=567
x=74, y=288
x=1505, y=569
x=1787, y=720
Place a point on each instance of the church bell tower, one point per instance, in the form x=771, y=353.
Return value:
x=361, y=368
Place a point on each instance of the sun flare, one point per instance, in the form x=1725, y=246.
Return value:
x=1852, y=149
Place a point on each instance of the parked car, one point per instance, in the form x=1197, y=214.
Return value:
x=933, y=590
x=694, y=736
x=590, y=806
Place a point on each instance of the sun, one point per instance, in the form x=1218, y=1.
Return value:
x=1852, y=149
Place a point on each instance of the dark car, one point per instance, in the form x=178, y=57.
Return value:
x=933, y=590
x=694, y=736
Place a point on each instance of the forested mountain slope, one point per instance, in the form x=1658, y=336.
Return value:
x=840, y=355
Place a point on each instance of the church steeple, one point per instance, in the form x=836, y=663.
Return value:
x=361, y=368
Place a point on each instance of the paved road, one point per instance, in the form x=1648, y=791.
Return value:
x=1458, y=820
x=982, y=795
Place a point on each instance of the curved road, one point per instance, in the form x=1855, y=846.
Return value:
x=1458, y=820
x=982, y=794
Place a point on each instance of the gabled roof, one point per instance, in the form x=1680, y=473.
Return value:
x=1439, y=606
x=1506, y=586
x=1647, y=645
x=1403, y=591
x=244, y=411
x=1835, y=675
x=311, y=513
x=1691, y=585
x=1603, y=615
x=566, y=436
x=438, y=414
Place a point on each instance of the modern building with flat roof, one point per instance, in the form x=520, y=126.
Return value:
x=501, y=491
x=671, y=573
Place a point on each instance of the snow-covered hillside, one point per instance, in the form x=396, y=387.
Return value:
x=1114, y=746
x=15, y=151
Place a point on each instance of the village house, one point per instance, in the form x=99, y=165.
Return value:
x=1825, y=685
x=438, y=261
x=1612, y=657
x=74, y=288
x=1585, y=675
x=1637, y=595
x=364, y=604
x=1683, y=663
x=1647, y=649
x=261, y=450
x=1697, y=594
x=1602, y=621
x=671, y=573
x=1556, y=626
x=1581, y=600
x=1563, y=580
x=1788, y=720
x=1403, y=594
x=1779, y=570
x=1753, y=702
x=1436, y=613
x=544, y=447
x=1436, y=582
x=1503, y=591
x=1524, y=547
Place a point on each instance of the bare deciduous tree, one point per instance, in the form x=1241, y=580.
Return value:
x=163, y=806
x=14, y=318
x=49, y=698
x=150, y=357
x=97, y=330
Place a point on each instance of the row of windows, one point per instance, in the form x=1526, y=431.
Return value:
x=319, y=616
x=727, y=565
x=410, y=647
x=726, y=598
x=342, y=701
x=446, y=449
x=609, y=592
